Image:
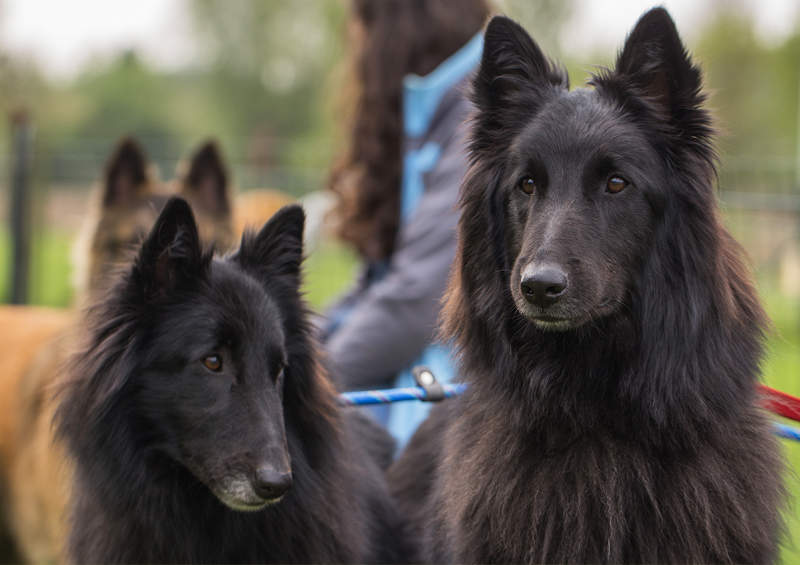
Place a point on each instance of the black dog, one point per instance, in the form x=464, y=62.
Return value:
x=202, y=427
x=608, y=331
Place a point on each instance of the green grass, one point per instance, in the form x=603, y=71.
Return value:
x=330, y=268
x=49, y=283
x=5, y=261
x=782, y=371
x=790, y=550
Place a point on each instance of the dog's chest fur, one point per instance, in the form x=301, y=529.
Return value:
x=598, y=498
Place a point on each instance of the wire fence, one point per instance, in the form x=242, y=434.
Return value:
x=760, y=197
x=756, y=194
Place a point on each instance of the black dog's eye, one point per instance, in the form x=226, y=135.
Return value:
x=616, y=184
x=527, y=185
x=213, y=363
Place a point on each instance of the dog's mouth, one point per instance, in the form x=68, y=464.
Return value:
x=545, y=319
x=563, y=317
x=246, y=504
x=553, y=323
x=237, y=493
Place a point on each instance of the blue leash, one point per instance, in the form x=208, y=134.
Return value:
x=787, y=432
x=433, y=391
x=386, y=396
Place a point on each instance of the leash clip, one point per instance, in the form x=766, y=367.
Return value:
x=434, y=392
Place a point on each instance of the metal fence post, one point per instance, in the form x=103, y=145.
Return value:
x=19, y=209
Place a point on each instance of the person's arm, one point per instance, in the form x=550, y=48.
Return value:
x=396, y=317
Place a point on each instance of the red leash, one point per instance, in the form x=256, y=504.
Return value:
x=781, y=403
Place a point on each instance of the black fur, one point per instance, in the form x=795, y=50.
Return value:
x=166, y=442
x=617, y=421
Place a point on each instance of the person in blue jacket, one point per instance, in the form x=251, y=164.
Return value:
x=397, y=185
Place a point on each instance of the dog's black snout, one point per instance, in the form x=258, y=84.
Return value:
x=543, y=286
x=270, y=483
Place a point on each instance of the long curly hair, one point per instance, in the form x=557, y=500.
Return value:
x=389, y=39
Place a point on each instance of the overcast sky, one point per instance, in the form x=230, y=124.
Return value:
x=64, y=34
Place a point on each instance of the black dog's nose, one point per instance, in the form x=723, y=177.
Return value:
x=270, y=484
x=544, y=286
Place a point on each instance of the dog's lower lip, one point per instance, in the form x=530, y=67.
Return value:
x=550, y=319
x=254, y=507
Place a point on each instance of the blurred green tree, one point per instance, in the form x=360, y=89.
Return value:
x=544, y=19
x=269, y=63
x=753, y=89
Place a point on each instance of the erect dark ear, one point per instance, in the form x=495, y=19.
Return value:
x=513, y=80
x=655, y=62
x=170, y=258
x=277, y=250
x=125, y=174
x=206, y=180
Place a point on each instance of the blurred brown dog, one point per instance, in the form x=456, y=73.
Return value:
x=33, y=470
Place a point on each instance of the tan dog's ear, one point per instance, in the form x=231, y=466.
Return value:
x=205, y=182
x=125, y=174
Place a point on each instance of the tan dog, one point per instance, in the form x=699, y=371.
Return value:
x=33, y=471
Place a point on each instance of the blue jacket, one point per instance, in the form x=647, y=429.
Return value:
x=387, y=324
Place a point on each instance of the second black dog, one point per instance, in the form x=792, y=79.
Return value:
x=203, y=428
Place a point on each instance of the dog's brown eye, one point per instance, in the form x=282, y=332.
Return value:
x=213, y=363
x=616, y=184
x=527, y=185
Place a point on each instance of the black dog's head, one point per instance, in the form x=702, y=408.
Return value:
x=190, y=357
x=580, y=177
x=212, y=375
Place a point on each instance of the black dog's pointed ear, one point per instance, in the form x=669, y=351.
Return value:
x=170, y=257
x=277, y=250
x=125, y=174
x=656, y=63
x=513, y=80
x=206, y=180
